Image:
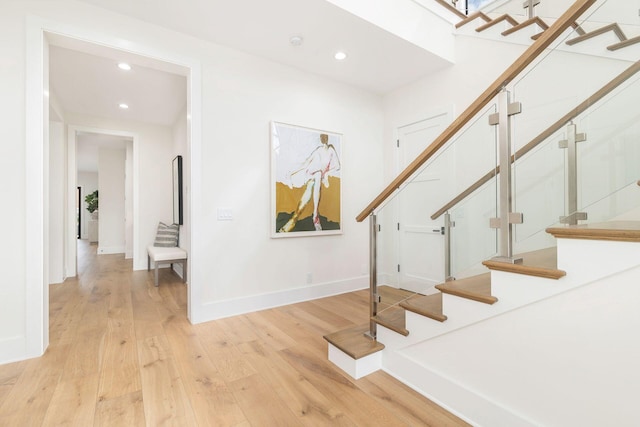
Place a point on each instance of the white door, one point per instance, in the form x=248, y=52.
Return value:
x=420, y=242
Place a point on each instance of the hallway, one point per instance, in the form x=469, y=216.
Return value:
x=122, y=353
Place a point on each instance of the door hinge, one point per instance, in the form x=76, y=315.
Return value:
x=379, y=227
x=398, y=143
x=398, y=268
x=398, y=226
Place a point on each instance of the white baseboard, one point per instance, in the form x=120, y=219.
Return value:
x=455, y=398
x=105, y=250
x=232, y=307
x=14, y=349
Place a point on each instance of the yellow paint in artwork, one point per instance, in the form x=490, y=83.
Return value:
x=287, y=200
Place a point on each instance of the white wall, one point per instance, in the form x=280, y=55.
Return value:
x=89, y=183
x=240, y=95
x=12, y=175
x=57, y=181
x=111, y=189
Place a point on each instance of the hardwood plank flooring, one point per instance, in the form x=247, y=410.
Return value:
x=122, y=353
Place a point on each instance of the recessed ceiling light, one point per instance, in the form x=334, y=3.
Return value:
x=296, y=40
x=123, y=106
x=124, y=66
x=340, y=56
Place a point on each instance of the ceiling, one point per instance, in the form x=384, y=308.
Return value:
x=84, y=77
x=378, y=61
x=92, y=83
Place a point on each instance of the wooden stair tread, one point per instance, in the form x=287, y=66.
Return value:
x=472, y=17
x=477, y=288
x=540, y=263
x=611, y=27
x=353, y=342
x=392, y=318
x=496, y=21
x=620, y=231
x=426, y=305
x=625, y=43
x=533, y=21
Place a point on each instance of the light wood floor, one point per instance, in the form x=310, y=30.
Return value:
x=122, y=353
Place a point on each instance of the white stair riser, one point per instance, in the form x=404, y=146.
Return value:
x=355, y=368
x=587, y=260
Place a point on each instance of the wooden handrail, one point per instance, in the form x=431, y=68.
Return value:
x=564, y=22
x=582, y=107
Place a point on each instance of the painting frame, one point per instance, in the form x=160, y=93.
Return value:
x=306, y=181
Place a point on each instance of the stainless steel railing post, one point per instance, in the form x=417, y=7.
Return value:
x=373, y=276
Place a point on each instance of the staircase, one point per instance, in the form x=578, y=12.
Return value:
x=595, y=258
x=550, y=340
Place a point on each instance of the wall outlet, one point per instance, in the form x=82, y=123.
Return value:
x=309, y=278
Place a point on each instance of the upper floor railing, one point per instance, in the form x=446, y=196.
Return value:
x=563, y=23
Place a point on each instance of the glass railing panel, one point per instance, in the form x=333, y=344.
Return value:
x=609, y=158
x=410, y=244
x=557, y=81
x=548, y=91
x=472, y=238
x=540, y=192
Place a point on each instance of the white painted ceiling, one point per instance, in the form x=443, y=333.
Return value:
x=92, y=83
x=84, y=77
x=378, y=61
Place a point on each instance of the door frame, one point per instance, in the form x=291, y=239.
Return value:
x=36, y=319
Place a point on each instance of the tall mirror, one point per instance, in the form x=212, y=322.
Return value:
x=177, y=190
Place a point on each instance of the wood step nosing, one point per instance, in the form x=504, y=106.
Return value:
x=505, y=17
x=630, y=234
x=374, y=347
x=622, y=44
x=473, y=17
x=548, y=273
x=528, y=22
x=602, y=30
x=486, y=299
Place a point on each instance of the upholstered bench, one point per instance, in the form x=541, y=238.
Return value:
x=161, y=255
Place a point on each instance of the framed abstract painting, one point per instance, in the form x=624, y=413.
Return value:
x=306, y=184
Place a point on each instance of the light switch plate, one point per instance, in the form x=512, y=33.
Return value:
x=225, y=214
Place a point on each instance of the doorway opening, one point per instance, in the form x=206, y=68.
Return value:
x=41, y=36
